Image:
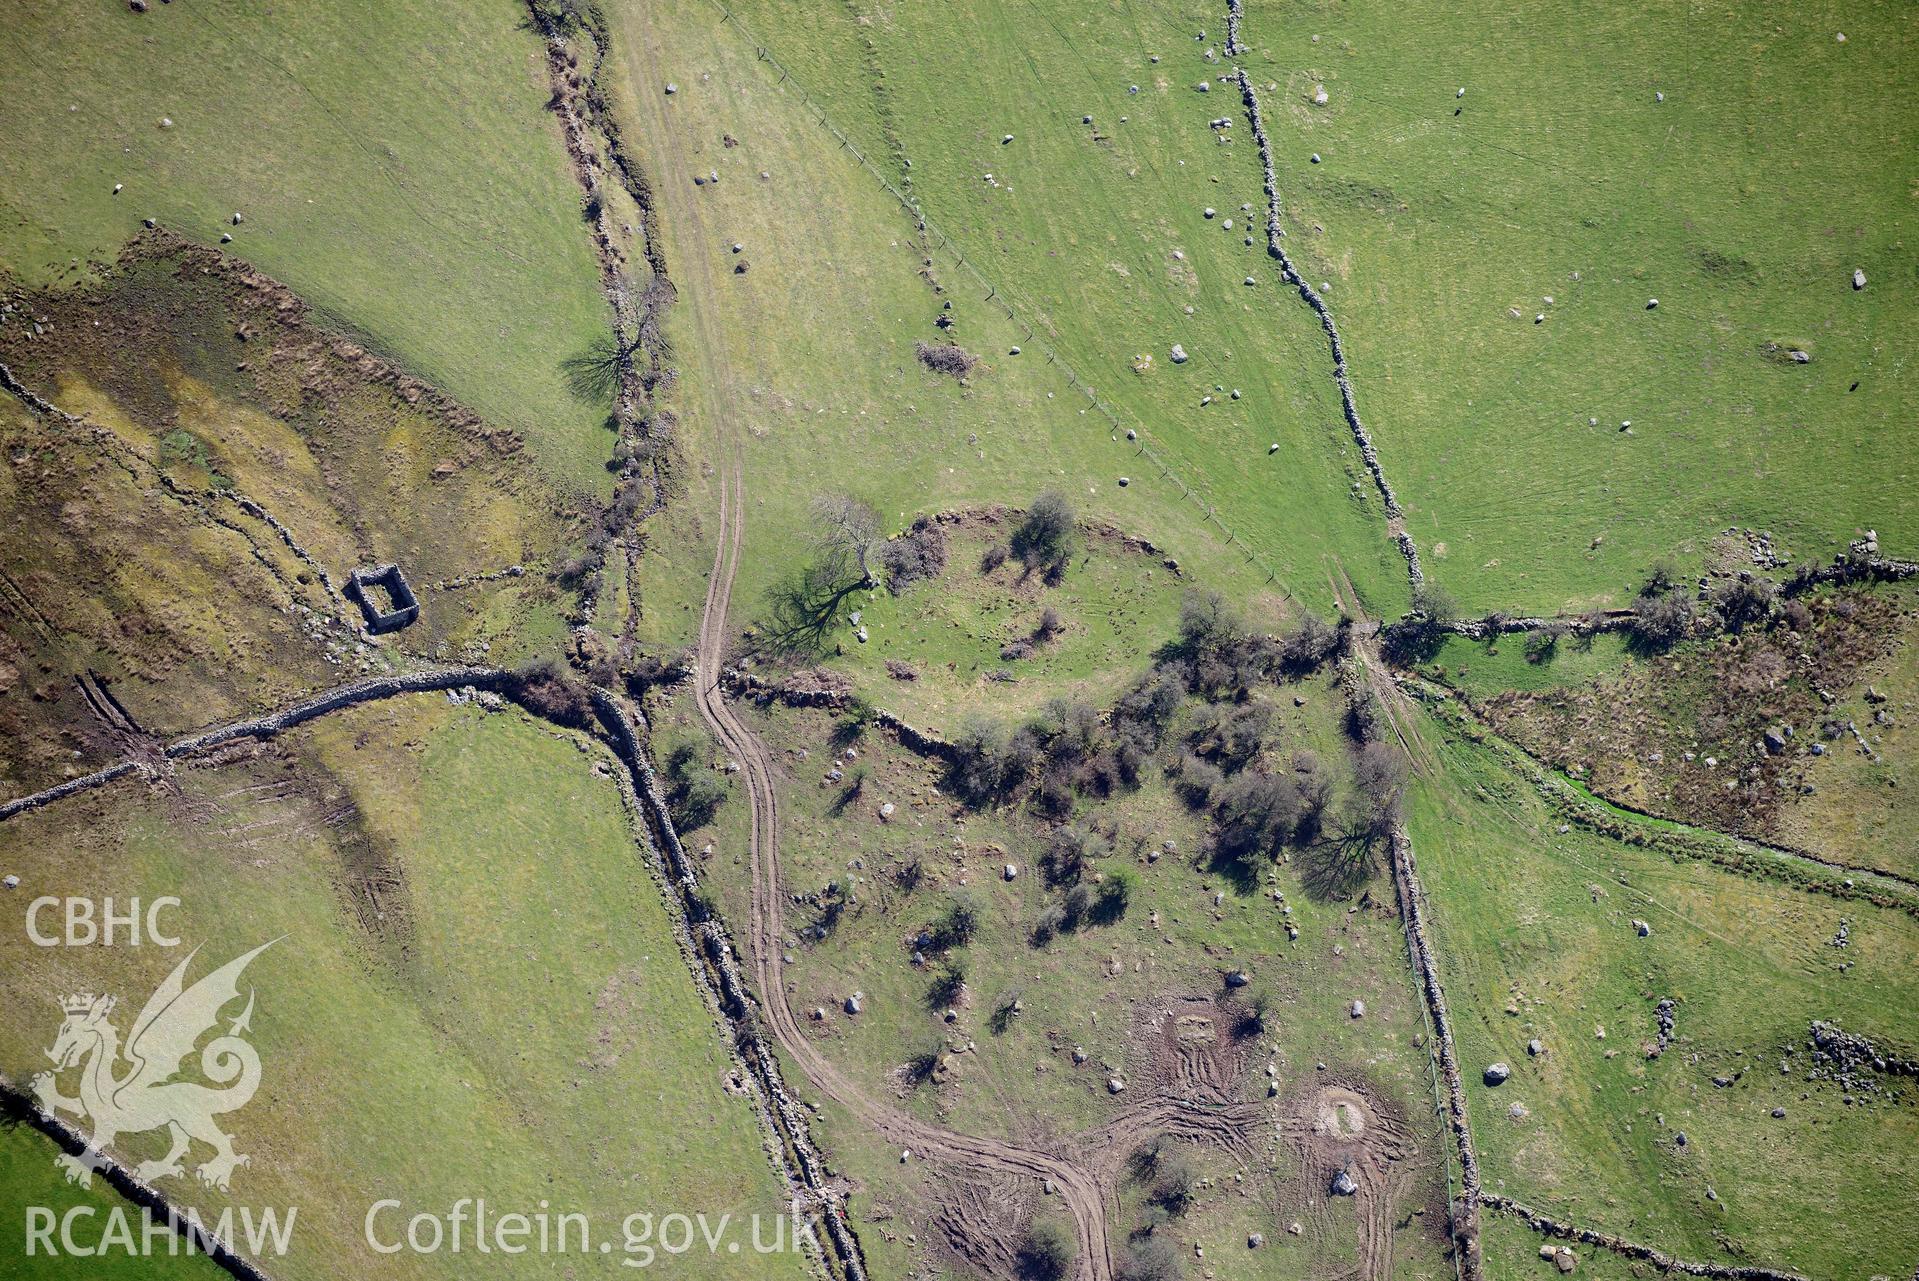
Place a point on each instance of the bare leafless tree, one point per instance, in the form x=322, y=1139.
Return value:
x=847, y=532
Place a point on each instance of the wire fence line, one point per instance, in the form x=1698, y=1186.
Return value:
x=1209, y=511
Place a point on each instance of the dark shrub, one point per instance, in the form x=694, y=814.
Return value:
x=918, y=554
x=1744, y=601
x=1151, y=1258
x=1661, y=621
x=1197, y=779
x=1307, y=647
x=1045, y=536
x=1044, y=1254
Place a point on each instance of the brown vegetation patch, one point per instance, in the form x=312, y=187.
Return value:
x=215, y=467
x=1630, y=736
x=946, y=358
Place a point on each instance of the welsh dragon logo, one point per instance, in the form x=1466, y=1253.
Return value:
x=131, y=1090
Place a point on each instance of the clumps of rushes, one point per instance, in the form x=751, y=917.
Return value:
x=916, y=555
x=946, y=358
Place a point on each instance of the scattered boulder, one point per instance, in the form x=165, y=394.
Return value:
x=1114, y=1085
x=1497, y=1073
x=1237, y=978
x=1858, y=278
x=1343, y=1184
x=1534, y=1048
x=853, y=1005
x=1359, y=1009
x=1641, y=928
x=1179, y=352
x=1010, y=871
x=886, y=812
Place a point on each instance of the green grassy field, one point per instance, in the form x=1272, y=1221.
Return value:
x=1511, y=1250
x=1743, y=202
x=391, y=162
x=1533, y=928
x=478, y=992
x=1483, y=668
x=808, y=359
x=29, y=1178
x=952, y=631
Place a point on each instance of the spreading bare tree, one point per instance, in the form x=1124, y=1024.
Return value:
x=847, y=532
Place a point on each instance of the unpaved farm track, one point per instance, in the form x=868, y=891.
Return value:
x=1076, y=1187
x=985, y=1157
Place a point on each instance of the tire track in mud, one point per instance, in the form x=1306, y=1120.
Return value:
x=1081, y=1192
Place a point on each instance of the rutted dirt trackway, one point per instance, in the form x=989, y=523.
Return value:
x=1076, y=1186
x=1080, y=1191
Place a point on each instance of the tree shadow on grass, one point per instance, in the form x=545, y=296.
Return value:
x=1239, y=869
x=594, y=373
x=803, y=609
x=1337, y=866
